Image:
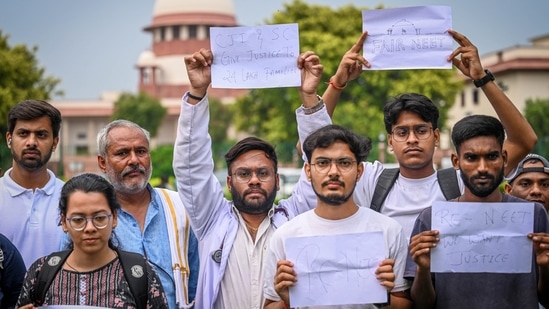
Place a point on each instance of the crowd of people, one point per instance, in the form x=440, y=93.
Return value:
x=114, y=241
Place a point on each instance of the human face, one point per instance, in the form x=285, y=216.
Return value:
x=335, y=185
x=254, y=196
x=531, y=186
x=481, y=162
x=414, y=153
x=90, y=240
x=32, y=143
x=128, y=161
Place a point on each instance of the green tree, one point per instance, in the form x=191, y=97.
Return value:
x=537, y=112
x=142, y=109
x=330, y=33
x=162, y=158
x=21, y=77
x=221, y=119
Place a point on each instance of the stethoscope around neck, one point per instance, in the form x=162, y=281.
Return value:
x=218, y=253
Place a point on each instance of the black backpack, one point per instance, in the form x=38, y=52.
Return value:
x=447, y=181
x=138, y=284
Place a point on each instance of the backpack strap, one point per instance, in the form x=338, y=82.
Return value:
x=1, y=260
x=447, y=180
x=135, y=272
x=133, y=265
x=384, y=184
x=51, y=266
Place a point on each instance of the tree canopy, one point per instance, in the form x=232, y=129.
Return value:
x=270, y=113
x=142, y=109
x=536, y=112
x=21, y=78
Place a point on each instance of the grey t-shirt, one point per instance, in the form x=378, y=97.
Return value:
x=483, y=290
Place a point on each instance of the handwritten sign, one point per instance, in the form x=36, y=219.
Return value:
x=255, y=57
x=408, y=38
x=336, y=269
x=482, y=237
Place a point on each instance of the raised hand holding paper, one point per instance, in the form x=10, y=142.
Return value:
x=408, y=38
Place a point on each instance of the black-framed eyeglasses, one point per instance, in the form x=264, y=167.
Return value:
x=323, y=165
x=100, y=221
x=243, y=175
x=421, y=131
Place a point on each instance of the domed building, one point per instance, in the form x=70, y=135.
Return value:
x=180, y=28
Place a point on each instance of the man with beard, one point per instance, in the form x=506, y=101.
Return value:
x=29, y=191
x=335, y=157
x=233, y=235
x=480, y=157
x=411, y=122
x=152, y=221
x=530, y=180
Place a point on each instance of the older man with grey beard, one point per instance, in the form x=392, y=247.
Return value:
x=152, y=221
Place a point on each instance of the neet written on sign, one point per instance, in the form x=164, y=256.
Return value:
x=255, y=57
x=482, y=237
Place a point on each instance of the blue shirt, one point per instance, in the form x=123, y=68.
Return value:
x=154, y=244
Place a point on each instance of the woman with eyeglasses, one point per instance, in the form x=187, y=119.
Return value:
x=92, y=274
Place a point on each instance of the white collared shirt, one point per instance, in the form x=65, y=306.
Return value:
x=245, y=267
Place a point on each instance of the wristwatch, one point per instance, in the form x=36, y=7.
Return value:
x=483, y=81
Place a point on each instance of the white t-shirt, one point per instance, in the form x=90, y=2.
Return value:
x=406, y=199
x=364, y=220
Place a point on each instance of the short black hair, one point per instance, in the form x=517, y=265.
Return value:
x=412, y=102
x=326, y=136
x=477, y=125
x=248, y=144
x=34, y=109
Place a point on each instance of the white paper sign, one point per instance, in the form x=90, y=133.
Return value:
x=482, y=237
x=336, y=269
x=255, y=57
x=408, y=38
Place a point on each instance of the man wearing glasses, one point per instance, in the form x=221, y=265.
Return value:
x=411, y=122
x=335, y=164
x=233, y=235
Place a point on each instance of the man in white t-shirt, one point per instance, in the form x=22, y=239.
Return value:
x=411, y=121
x=333, y=168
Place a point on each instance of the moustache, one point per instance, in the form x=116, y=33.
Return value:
x=483, y=176
x=327, y=182
x=32, y=150
x=255, y=189
x=134, y=169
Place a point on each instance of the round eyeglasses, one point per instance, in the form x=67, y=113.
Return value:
x=421, y=131
x=243, y=175
x=323, y=165
x=100, y=221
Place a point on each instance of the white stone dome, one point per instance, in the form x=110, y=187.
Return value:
x=146, y=59
x=167, y=7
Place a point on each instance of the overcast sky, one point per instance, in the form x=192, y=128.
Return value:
x=93, y=45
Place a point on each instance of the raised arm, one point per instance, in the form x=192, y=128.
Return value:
x=199, y=189
x=199, y=71
x=521, y=138
x=349, y=69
